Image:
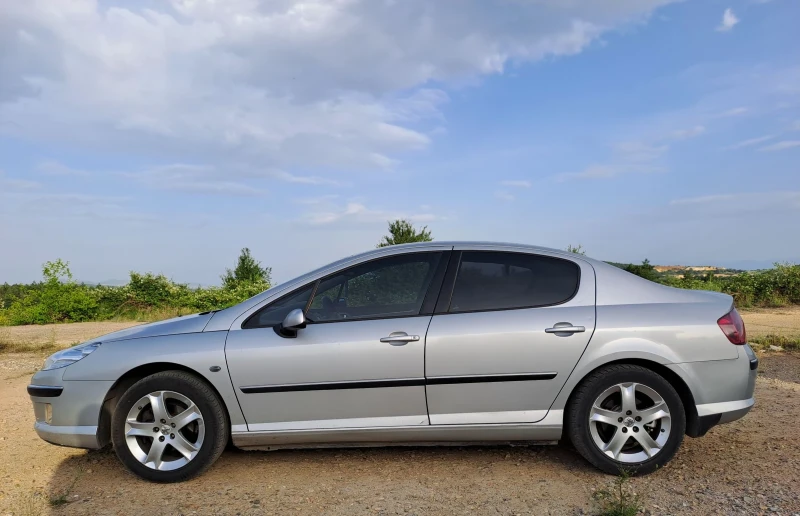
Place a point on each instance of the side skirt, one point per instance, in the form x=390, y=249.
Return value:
x=546, y=431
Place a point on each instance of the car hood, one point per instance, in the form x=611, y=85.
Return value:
x=184, y=324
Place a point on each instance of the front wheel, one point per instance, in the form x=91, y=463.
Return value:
x=626, y=418
x=169, y=427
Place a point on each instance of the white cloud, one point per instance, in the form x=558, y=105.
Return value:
x=357, y=213
x=335, y=85
x=751, y=142
x=639, y=152
x=732, y=112
x=198, y=179
x=683, y=134
x=728, y=21
x=703, y=199
x=54, y=168
x=739, y=203
x=594, y=172
x=786, y=144
x=14, y=184
x=504, y=196
x=307, y=180
x=518, y=183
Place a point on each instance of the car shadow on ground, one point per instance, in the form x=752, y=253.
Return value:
x=428, y=479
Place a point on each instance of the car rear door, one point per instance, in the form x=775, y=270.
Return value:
x=509, y=327
x=359, y=362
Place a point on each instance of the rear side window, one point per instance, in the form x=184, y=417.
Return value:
x=490, y=280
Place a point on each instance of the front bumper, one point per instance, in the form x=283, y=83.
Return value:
x=67, y=412
x=72, y=436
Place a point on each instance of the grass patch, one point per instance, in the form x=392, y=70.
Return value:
x=619, y=499
x=787, y=342
x=29, y=347
x=62, y=498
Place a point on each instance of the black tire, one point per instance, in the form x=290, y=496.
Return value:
x=578, y=426
x=214, y=415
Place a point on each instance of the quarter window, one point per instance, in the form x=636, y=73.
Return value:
x=274, y=313
x=489, y=280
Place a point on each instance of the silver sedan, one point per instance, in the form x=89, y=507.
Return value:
x=434, y=343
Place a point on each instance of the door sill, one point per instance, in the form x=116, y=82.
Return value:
x=547, y=430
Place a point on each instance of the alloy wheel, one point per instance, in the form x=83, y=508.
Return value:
x=630, y=422
x=164, y=430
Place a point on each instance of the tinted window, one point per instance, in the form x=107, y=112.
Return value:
x=496, y=281
x=388, y=287
x=273, y=314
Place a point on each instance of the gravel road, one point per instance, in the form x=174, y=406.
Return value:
x=751, y=466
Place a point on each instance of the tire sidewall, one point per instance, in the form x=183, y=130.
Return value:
x=215, y=427
x=580, y=426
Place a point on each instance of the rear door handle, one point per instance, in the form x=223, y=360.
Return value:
x=563, y=329
x=399, y=338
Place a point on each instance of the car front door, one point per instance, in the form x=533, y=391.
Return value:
x=508, y=330
x=360, y=360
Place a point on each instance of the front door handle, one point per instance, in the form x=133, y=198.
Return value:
x=399, y=338
x=564, y=329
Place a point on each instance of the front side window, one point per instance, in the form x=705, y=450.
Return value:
x=387, y=287
x=490, y=280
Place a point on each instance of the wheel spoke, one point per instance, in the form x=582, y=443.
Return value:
x=616, y=443
x=158, y=405
x=155, y=454
x=647, y=443
x=183, y=446
x=602, y=415
x=138, y=428
x=628, y=397
x=187, y=416
x=656, y=412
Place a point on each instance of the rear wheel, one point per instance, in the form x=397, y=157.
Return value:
x=169, y=427
x=626, y=417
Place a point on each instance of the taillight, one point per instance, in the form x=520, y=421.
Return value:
x=732, y=326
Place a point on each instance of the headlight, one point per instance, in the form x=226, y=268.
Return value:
x=68, y=356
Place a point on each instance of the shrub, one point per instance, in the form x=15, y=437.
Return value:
x=59, y=299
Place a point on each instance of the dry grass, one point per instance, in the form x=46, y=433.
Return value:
x=773, y=326
x=48, y=338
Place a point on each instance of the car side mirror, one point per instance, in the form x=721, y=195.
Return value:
x=294, y=320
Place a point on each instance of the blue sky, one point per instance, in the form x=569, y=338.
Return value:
x=164, y=136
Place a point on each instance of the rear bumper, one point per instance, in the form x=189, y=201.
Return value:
x=722, y=389
x=727, y=411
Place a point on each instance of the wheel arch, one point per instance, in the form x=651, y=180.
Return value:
x=693, y=423
x=132, y=376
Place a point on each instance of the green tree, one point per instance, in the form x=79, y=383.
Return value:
x=402, y=231
x=577, y=249
x=247, y=271
x=645, y=270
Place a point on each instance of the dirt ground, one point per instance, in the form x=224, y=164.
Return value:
x=775, y=321
x=58, y=335
x=751, y=466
